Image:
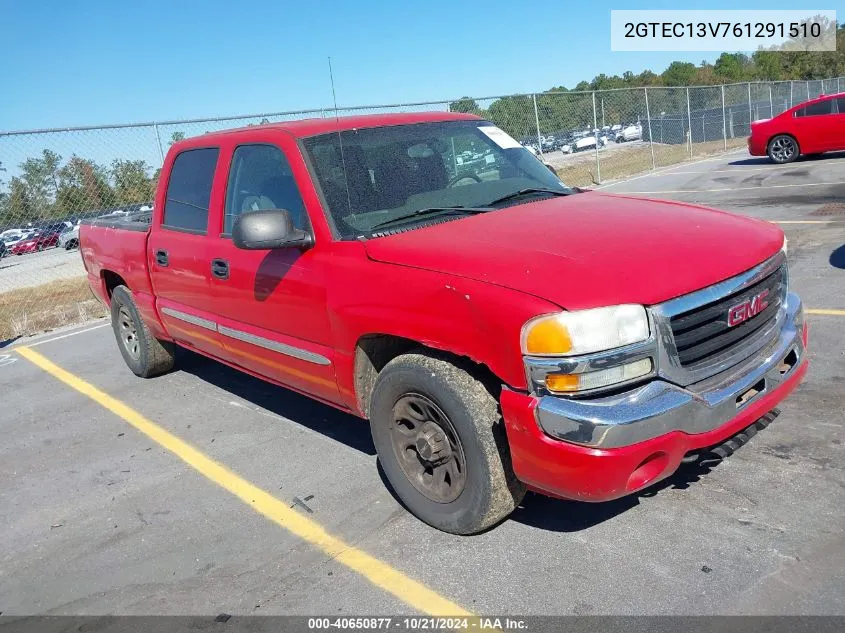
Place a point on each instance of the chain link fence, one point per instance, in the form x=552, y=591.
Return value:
x=52, y=179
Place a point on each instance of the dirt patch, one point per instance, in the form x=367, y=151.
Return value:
x=622, y=162
x=39, y=308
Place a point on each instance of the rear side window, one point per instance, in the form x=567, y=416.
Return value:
x=189, y=190
x=840, y=104
x=815, y=109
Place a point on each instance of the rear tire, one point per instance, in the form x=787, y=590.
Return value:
x=427, y=415
x=144, y=354
x=783, y=149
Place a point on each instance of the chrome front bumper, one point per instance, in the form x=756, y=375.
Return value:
x=659, y=407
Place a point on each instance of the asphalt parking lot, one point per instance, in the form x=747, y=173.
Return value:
x=112, y=501
x=33, y=269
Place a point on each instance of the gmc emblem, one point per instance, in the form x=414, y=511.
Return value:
x=748, y=308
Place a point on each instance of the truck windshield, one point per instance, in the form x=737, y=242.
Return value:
x=370, y=176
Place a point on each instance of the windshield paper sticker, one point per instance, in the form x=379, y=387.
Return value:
x=499, y=137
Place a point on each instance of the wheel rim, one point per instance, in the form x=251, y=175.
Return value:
x=783, y=149
x=428, y=448
x=128, y=333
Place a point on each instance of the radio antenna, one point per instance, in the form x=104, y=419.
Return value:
x=340, y=140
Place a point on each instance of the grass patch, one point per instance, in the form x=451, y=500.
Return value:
x=31, y=310
x=624, y=162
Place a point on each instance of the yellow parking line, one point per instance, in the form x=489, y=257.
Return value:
x=382, y=575
x=825, y=312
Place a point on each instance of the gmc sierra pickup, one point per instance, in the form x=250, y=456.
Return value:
x=499, y=330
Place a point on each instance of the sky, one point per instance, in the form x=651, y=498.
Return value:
x=73, y=62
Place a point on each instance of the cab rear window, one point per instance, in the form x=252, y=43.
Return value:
x=189, y=190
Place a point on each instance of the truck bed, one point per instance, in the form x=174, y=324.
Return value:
x=116, y=245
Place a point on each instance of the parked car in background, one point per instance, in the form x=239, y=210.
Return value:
x=69, y=239
x=499, y=333
x=585, y=142
x=813, y=127
x=630, y=133
x=37, y=242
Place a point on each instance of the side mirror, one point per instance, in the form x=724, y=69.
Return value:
x=268, y=228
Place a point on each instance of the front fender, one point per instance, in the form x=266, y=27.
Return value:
x=461, y=316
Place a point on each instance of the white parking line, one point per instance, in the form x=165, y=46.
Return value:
x=798, y=184
x=69, y=334
x=663, y=170
x=735, y=170
x=801, y=221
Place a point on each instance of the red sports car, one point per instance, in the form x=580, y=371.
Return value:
x=812, y=127
x=37, y=242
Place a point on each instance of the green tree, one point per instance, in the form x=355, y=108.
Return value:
x=515, y=115
x=732, y=67
x=466, y=105
x=19, y=208
x=679, y=74
x=176, y=137
x=132, y=182
x=83, y=187
x=41, y=177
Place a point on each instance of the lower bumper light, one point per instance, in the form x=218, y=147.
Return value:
x=570, y=383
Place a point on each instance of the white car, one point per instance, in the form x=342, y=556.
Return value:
x=586, y=142
x=630, y=133
x=13, y=236
x=70, y=238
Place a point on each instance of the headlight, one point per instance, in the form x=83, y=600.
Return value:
x=584, y=331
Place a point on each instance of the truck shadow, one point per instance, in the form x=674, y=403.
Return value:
x=560, y=515
x=536, y=510
x=337, y=425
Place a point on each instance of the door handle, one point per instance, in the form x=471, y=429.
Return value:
x=220, y=268
x=161, y=257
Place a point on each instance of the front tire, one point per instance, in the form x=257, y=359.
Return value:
x=783, y=149
x=144, y=354
x=441, y=442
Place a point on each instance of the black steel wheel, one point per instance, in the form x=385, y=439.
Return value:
x=128, y=333
x=428, y=448
x=441, y=442
x=144, y=354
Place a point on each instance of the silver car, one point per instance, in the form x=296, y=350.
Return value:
x=70, y=238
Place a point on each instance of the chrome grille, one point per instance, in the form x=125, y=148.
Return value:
x=703, y=333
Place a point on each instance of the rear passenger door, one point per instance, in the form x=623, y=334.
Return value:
x=814, y=127
x=839, y=124
x=178, y=250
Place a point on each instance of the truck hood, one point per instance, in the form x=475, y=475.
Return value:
x=589, y=250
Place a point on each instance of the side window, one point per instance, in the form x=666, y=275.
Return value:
x=840, y=104
x=189, y=190
x=261, y=178
x=816, y=109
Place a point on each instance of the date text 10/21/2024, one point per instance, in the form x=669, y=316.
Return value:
x=419, y=623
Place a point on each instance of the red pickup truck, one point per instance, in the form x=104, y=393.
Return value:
x=499, y=330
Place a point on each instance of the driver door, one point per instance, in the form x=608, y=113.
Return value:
x=270, y=305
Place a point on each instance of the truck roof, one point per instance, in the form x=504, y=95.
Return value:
x=311, y=127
